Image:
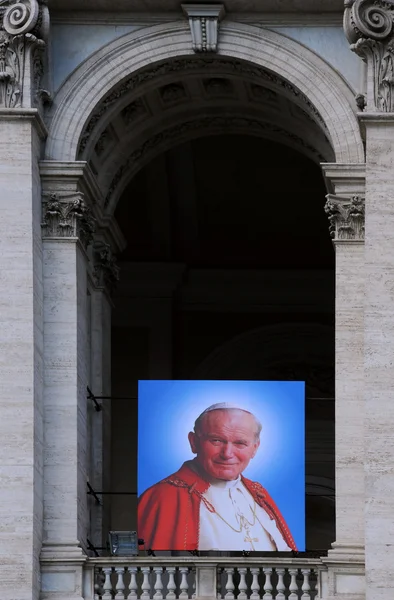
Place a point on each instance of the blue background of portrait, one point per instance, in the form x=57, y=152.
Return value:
x=167, y=411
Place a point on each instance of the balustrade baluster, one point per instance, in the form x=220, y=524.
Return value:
x=219, y=572
x=120, y=586
x=98, y=585
x=107, y=583
x=171, y=586
x=158, y=585
x=184, y=584
x=255, y=587
x=230, y=585
x=242, y=584
x=280, y=587
x=305, y=585
x=133, y=586
x=267, y=583
x=293, y=584
x=146, y=583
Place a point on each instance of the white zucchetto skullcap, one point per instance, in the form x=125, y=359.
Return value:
x=224, y=406
x=227, y=406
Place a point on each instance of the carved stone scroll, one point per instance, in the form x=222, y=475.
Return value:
x=67, y=216
x=24, y=29
x=204, y=25
x=369, y=28
x=346, y=217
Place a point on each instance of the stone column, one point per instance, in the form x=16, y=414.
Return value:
x=345, y=210
x=369, y=28
x=379, y=352
x=22, y=44
x=67, y=228
x=105, y=275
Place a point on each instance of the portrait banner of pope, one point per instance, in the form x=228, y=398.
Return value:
x=221, y=465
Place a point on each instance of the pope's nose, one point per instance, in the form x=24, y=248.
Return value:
x=227, y=451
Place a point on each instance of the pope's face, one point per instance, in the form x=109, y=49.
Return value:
x=225, y=443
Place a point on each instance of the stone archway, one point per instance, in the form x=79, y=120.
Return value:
x=311, y=75
x=325, y=93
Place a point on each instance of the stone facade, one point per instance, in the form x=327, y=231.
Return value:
x=85, y=104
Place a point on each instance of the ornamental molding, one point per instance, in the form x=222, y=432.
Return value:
x=66, y=216
x=24, y=30
x=346, y=217
x=368, y=26
x=105, y=267
x=204, y=25
x=206, y=64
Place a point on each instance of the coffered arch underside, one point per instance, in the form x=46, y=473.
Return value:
x=121, y=76
x=194, y=98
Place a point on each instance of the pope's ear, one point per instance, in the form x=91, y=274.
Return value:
x=256, y=447
x=193, y=442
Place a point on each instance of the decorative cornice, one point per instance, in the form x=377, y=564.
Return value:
x=345, y=180
x=144, y=19
x=346, y=217
x=24, y=30
x=26, y=114
x=368, y=26
x=105, y=268
x=204, y=25
x=67, y=216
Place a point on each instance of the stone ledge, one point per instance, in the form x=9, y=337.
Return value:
x=25, y=114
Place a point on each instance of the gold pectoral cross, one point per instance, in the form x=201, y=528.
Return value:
x=251, y=540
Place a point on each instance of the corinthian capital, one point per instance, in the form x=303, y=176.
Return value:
x=368, y=27
x=346, y=217
x=67, y=216
x=24, y=28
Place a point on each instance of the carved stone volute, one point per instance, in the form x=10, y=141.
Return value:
x=368, y=26
x=24, y=30
x=346, y=217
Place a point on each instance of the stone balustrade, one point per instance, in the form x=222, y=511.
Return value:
x=167, y=578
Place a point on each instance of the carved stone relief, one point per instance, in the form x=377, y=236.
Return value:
x=105, y=268
x=67, y=216
x=218, y=86
x=24, y=29
x=102, y=142
x=346, y=217
x=134, y=111
x=368, y=27
x=173, y=92
x=264, y=94
x=106, y=141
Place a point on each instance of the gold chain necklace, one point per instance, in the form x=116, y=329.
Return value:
x=242, y=517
